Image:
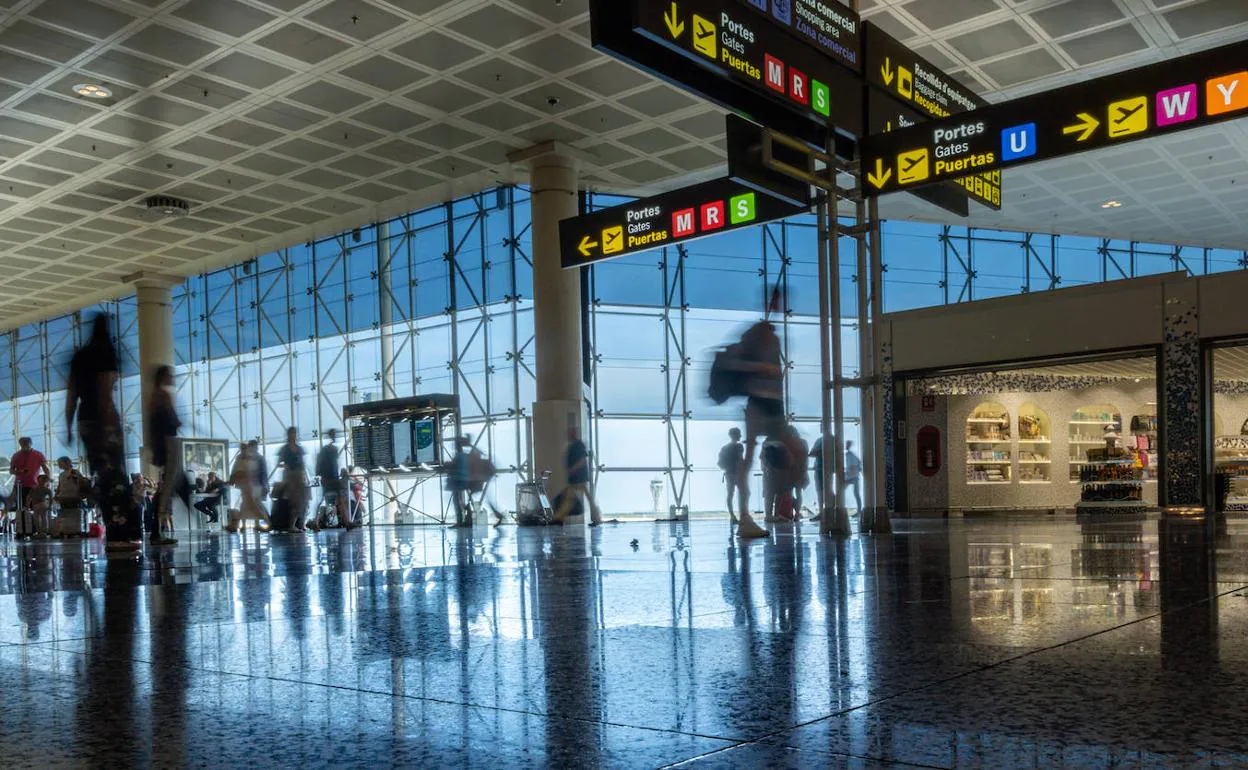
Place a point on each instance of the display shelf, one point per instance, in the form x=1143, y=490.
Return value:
x=1102, y=423
x=1036, y=481
x=990, y=420
x=1035, y=441
x=987, y=441
x=987, y=483
x=988, y=462
x=1121, y=482
x=1035, y=462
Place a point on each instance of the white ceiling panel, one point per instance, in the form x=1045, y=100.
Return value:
x=284, y=120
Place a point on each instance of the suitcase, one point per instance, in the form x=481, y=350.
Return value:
x=281, y=517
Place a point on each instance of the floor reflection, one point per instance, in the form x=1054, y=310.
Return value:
x=1031, y=642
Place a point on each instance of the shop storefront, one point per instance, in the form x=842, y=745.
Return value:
x=1091, y=399
x=1073, y=435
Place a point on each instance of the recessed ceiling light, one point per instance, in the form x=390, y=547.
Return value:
x=1111, y=205
x=93, y=90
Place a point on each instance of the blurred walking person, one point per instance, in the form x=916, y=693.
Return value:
x=290, y=458
x=246, y=479
x=333, y=493
x=753, y=368
x=731, y=455
x=579, y=486
x=162, y=442
x=93, y=374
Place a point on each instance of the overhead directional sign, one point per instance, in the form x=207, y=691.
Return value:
x=905, y=90
x=1187, y=92
x=829, y=25
x=682, y=215
x=726, y=38
x=895, y=69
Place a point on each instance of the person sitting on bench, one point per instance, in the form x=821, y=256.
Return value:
x=210, y=505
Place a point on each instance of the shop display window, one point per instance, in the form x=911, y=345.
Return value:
x=1035, y=440
x=988, y=447
x=1140, y=441
x=1089, y=429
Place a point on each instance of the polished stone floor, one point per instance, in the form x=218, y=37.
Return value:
x=1028, y=643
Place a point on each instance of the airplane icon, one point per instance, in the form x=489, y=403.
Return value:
x=913, y=166
x=1129, y=116
x=1124, y=113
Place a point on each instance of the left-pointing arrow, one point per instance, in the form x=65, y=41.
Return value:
x=587, y=246
x=674, y=24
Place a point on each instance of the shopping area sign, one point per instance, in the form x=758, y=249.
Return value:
x=828, y=25
x=752, y=50
x=1188, y=92
x=904, y=89
x=665, y=220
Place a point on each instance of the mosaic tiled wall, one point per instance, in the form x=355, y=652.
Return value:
x=1181, y=398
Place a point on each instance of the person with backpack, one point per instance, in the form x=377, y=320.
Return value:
x=753, y=368
x=731, y=455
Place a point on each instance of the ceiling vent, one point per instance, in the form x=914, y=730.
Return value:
x=167, y=207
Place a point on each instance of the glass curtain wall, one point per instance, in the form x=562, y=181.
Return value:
x=440, y=301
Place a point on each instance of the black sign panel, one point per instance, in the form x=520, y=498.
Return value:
x=611, y=30
x=1176, y=95
x=902, y=73
x=747, y=166
x=828, y=25
x=665, y=220
x=748, y=49
x=907, y=90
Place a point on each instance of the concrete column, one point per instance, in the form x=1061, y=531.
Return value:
x=155, y=306
x=553, y=171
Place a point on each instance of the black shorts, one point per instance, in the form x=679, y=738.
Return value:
x=764, y=417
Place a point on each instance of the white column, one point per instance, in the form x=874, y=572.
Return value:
x=155, y=306
x=556, y=309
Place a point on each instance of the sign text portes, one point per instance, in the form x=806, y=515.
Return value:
x=665, y=220
x=1188, y=92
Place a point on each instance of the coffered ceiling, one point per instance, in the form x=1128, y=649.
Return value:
x=283, y=120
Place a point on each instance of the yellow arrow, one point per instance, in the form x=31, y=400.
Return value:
x=881, y=175
x=674, y=24
x=887, y=71
x=587, y=246
x=1087, y=125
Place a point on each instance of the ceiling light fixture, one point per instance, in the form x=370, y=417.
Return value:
x=1111, y=205
x=93, y=90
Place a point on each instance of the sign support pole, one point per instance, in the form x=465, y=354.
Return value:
x=877, y=517
x=836, y=520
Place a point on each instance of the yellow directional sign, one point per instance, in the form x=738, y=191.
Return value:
x=905, y=82
x=587, y=246
x=1086, y=127
x=613, y=240
x=674, y=24
x=1129, y=116
x=880, y=176
x=704, y=37
x=913, y=166
x=886, y=71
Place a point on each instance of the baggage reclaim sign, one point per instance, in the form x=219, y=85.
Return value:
x=906, y=90
x=665, y=220
x=1175, y=95
x=724, y=36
